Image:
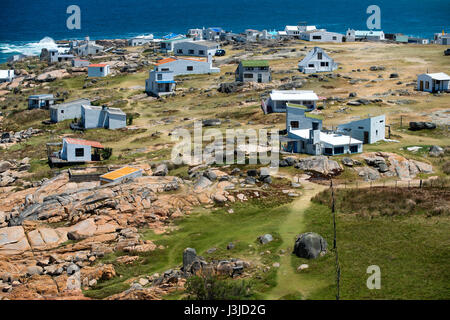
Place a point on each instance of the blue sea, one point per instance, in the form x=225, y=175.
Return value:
x=28, y=25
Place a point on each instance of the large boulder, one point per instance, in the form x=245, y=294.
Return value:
x=13, y=241
x=436, y=151
x=4, y=166
x=310, y=245
x=189, y=256
x=418, y=125
x=319, y=164
x=265, y=238
x=161, y=170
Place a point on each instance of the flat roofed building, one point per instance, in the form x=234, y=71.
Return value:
x=68, y=110
x=253, y=71
x=121, y=175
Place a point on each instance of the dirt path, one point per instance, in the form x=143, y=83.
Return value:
x=288, y=280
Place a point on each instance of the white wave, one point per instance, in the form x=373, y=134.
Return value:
x=30, y=49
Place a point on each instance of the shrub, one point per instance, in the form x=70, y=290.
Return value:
x=211, y=287
x=106, y=153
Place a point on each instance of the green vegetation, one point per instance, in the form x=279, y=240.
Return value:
x=410, y=249
x=209, y=287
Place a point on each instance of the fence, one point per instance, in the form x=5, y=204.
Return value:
x=410, y=184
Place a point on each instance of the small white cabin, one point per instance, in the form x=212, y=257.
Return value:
x=433, y=82
x=98, y=70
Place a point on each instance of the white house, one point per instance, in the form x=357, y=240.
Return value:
x=182, y=66
x=68, y=110
x=212, y=33
x=321, y=35
x=160, y=83
x=295, y=31
x=102, y=117
x=80, y=63
x=442, y=38
x=6, y=75
x=433, y=82
x=85, y=47
x=98, y=70
x=317, y=60
x=167, y=45
x=196, y=34
x=78, y=150
x=304, y=135
x=200, y=48
x=369, y=130
x=352, y=35
x=54, y=56
x=278, y=99
x=140, y=40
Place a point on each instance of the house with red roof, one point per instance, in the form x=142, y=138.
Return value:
x=98, y=70
x=79, y=150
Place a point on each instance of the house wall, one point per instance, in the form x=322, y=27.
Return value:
x=80, y=63
x=430, y=86
x=298, y=114
x=336, y=149
x=311, y=63
x=196, y=47
x=152, y=87
x=66, y=111
x=375, y=126
x=116, y=121
x=180, y=67
x=241, y=72
x=40, y=104
x=325, y=36
x=68, y=152
x=98, y=71
x=7, y=76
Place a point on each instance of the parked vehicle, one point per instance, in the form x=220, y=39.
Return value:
x=220, y=52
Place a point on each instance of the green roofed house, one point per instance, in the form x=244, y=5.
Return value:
x=253, y=71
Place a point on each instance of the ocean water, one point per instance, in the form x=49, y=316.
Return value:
x=26, y=26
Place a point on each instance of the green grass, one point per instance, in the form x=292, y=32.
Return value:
x=204, y=230
x=410, y=250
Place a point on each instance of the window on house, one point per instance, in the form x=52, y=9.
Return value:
x=191, y=51
x=294, y=124
x=201, y=52
x=180, y=51
x=317, y=37
x=427, y=85
x=334, y=38
x=249, y=68
x=303, y=144
x=190, y=68
x=79, y=152
x=362, y=128
x=62, y=111
x=338, y=150
x=311, y=65
x=101, y=69
x=248, y=75
x=322, y=64
x=159, y=76
x=353, y=149
x=165, y=69
x=315, y=126
x=319, y=55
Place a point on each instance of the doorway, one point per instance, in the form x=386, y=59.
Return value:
x=366, y=136
x=259, y=77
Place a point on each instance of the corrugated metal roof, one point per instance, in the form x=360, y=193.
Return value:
x=119, y=173
x=441, y=76
x=94, y=144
